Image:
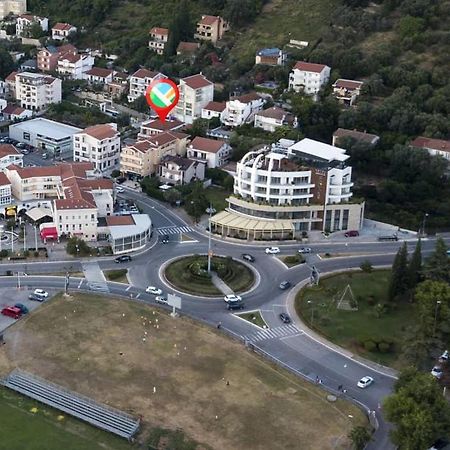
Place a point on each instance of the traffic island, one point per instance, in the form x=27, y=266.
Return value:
x=190, y=274
x=255, y=318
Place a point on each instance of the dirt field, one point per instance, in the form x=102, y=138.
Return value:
x=174, y=373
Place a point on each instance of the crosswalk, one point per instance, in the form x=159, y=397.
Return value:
x=274, y=333
x=173, y=230
x=98, y=286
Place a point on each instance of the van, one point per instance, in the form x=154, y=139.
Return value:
x=12, y=311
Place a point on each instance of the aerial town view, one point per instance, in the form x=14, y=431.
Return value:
x=224, y=225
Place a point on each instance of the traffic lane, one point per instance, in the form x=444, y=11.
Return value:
x=38, y=267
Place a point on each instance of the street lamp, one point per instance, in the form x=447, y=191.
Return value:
x=209, y=239
x=438, y=302
x=310, y=302
x=423, y=223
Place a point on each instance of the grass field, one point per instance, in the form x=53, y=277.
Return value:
x=25, y=430
x=240, y=278
x=255, y=318
x=119, y=275
x=216, y=196
x=176, y=377
x=317, y=306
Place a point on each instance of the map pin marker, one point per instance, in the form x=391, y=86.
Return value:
x=162, y=96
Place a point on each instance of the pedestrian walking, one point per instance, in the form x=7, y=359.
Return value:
x=219, y=325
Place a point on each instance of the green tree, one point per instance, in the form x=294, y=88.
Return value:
x=398, y=284
x=181, y=28
x=415, y=266
x=196, y=202
x=35, y=31
x=6, y=63
x=366, y=266
x=172, y=196
x=359, y=436
x=76, y=246
x=198, y=128
x=437, y=266
x=418, y=410
x=140, y=104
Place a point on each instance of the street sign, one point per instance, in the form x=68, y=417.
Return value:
x=175, y=302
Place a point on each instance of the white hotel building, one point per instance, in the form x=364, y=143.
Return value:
x=35, y=91
x=290, y=188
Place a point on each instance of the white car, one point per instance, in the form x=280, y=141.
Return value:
x=232, y=298
x=437, y=372
x=365, y=382
x=272, y=250
x=444, y=356
x=40, y=293
x=154, y=290
x=120, y=190
x=161, y=299
x=304, y=250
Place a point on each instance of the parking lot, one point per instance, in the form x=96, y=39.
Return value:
x=9, y=297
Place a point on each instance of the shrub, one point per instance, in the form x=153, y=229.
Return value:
x=370, y=345
x=384, y=347
x=4, y=253
x=116, y=274
x=35, y=253
x=26, y=253
x=371, y=300
x=366, y=266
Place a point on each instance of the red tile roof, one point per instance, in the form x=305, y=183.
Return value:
x=215, y=106
x=273, y=113
x=8, y=149
x=119, y=220
x=309, y=67
x=71, y=57
x=100, y=132
x=4, y=179
x=209, y=20
x=11, y=76
x=347, y=84
x=144, y=73
x=13, y=110
x=247, y=98
x=188, y=47
x=167, y=125
x=162, y=31
x=206, y=145
x=62, y=26
x=434, y=144
x=197, y=81
x=355, y=134
x=99, y=72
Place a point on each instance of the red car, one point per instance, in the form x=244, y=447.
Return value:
x=351, y=233
x=12, y=311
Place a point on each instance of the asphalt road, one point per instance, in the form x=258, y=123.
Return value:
x=290, y=345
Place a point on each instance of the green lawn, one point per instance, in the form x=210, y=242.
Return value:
x=119, y=275
x=351, y=329
x=24, y=430
x=255, y=318
x=293, y=260
x=217, y=197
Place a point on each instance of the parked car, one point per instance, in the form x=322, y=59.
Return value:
x=161, y=299
x=12, y=311
x=123, y=258
x=36, y=298
x=272, y=250
x=285, y=285
x=41, y=293
x=232, y=298
x=44, y=156
x=351, y=233
x=121, y=180
x=285, y=318
x=437, y=372
x=247, y=257
x=304, y=250
x=393, y=237
x=165, y=239
x=444, y=357
x=120, y=190
x=235, y=304
x=154, y=290
x=22, y=307
x=365, y=382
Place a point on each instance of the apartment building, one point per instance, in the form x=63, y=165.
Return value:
x=47, y=58
x=10, y=86
x=176, y=170
x=214, y=109
x=211, y=28
x=74, y=66
x=25, y=21
x=61, y=31
x=347, y=91
x=242, y=109
x=5, y=190
x=16, y=7
x=139, y=82
x=9, y=155
x=98, y=75
x=435, y=147
x=158, y=39
x=272, y=118
x=281, y=191
x=361, y=136
x=214, y=152
x=143, y=157
x=195, y=93
x=155, y=126
x=309, y=77
x=98, y=144
x=35, y=91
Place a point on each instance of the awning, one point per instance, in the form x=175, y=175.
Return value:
x=49, y=233
x=36, y=214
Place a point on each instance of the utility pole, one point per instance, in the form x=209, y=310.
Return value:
x=35, y=238
x=209, y=239
x=423, y=223
x=24, y=238
x=18, y=280
x=12, y=240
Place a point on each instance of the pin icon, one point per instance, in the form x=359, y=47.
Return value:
x=162, y=96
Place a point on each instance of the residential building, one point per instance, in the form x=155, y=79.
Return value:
x=177, y=170
x=347, y=91
x=271, y=57
x=98, y=75
x=47, y=58
x=9, y=155
x=61, y=31
x=214, y=152
x=282, y=191
x=3, y=89
x=118, y=86
x=5, y=190
x=74, y=66
x=139, y=82
x=155, y=126
x=211, y=28
x=3, y=104
x=10, y=85
x=309, y=77
x=435, y=147
x=271, y=118
x=342, y=133
x=25, y=21
x=214, y=109
x=143, y=157
x=242, y=109
x=187, y=48
x=35, y=91
x=195, y=93
x=15, y=113
x=30, y=65
x=16, y=7
x=98, y=144
x=53, y=137
x=158, y=40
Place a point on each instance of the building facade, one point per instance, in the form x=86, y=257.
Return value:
x=153, y=127
x=211, y=28
x=435, y=147
x=100, y=145
x=74, y=65
x=195, y=93
x=158, y=40
x=309, y=77
x=47, y=58
x=61, y=31
x=347, y=91
x=272, y=118
x=177, y=170
x=215, y=153
x=16, y=7
x=270, y=57
x=9, y=155
x=5, y=190
x=139, y=82
x=242, y=109
x=25, y=21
